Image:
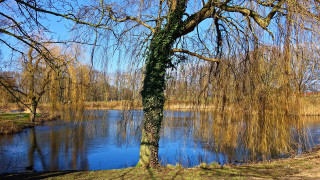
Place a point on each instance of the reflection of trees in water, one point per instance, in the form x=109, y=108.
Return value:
x=73, y=140
x=263, y=136
x=69, y=143
x=240, y=137
x=129, y=127
x=33, y=149
x=97, y=123
x=237, y=137
x=79, y=158
x=177, y=124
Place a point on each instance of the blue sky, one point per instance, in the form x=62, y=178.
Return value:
x=60, y=28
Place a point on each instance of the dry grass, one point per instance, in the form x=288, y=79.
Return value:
x=310, y=106
x=11, y=123
x=116, y=105
x=8, y=127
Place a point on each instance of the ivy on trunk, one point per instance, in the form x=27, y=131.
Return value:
x=154, y=85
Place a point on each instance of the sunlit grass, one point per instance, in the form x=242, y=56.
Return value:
x=14, y=122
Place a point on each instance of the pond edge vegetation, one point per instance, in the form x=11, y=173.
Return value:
x=12, y=123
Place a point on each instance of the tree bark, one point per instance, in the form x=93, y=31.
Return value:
x=153, y=101
x=154, y=85
x=33, y=109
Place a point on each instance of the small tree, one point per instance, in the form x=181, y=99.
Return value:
x=36, y=78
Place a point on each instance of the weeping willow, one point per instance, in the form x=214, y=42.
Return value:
x=69, y=88
x=251, y=101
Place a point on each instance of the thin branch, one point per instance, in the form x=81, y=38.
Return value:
x=266, y=3
x=195, y=54
x=67, y=16
x=32, y=44
x=13, y=95
x=14, y=49
x=130, y=18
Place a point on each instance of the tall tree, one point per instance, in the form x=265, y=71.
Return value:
x=160, y=29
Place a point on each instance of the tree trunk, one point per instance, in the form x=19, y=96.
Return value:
x=154, y=85
x=153, y=101
x=33, y=109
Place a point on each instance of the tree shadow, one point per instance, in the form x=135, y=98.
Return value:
x=176, y=174
x=34, y=175
x=122, y=176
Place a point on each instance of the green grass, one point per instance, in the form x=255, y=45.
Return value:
x=14, y=122
x=14, y=116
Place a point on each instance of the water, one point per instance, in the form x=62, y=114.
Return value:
x=103, y=141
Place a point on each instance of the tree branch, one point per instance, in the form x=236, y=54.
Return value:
x=192, y=21
x=195, y=54
x=266, y=3
x=14, y=49
x=67, y=16
x=262, y=22
x=207, y=11
x=130, y=18
x=31, y=44
x=13, y=95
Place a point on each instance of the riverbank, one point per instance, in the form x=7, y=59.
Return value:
x=308, y=106
x=11, y=123
x=306, y=166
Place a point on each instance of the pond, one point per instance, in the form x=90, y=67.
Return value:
x=104, y=139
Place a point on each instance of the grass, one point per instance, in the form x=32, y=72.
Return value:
x=11, y=123
x=304, y=167
x=14, y=116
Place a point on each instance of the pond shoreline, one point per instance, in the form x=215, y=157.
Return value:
x=305, y=166
x=9, y=127
x=13, y=123
x=309, y=106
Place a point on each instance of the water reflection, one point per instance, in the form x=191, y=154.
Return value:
x=34, y=148
x=251, y=137
x=105, y=139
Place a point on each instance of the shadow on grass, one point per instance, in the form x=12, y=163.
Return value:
x=123, y=174
x=34, y=175
x=176, y=174
x=274, y=171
